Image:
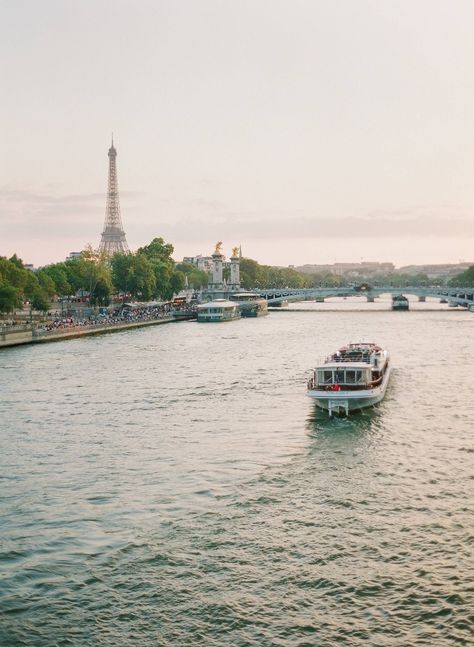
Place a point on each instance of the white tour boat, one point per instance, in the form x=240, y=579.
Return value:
x=354, y=377
x=218, y=310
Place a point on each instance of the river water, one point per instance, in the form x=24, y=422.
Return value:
x=173, y=486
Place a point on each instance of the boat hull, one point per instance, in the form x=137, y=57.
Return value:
x=345, y=401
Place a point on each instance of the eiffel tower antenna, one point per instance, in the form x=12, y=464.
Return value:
x=113, y=236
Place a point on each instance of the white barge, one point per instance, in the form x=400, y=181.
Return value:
x=354, y=377
x=218, y=310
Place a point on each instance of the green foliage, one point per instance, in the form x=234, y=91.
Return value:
x=47, y=284
x=40, y=301
x=253, y=275
x=142, y=277
x=120, y=265
x=158, y=253
x=177, y=282
x=15, y=281
x=400, y=280
x=133, y=274
x=10, y=299
x=31, y=285
x=74, y=274
x=197, y=279
x=13, y=273
x=59, y=275
x=158, y=250
x=465, y=279
x=17, y=262
x=91, y=274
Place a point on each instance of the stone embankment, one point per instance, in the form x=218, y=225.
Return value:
x=27, y=334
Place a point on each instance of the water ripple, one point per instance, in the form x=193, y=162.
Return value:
x=181, y=490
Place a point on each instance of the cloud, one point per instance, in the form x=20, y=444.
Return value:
x=423, y=223
x=34, y=214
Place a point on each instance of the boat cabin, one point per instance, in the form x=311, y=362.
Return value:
x=356, y=366
x=357, y=375
x=218, y=310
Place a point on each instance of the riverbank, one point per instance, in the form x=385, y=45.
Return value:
x=20, y=335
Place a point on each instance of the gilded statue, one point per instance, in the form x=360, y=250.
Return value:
x=218, y=249
x=235, y=251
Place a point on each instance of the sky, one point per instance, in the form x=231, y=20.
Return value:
x=307, y=131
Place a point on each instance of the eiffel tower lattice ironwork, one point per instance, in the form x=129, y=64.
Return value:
x=113, y=237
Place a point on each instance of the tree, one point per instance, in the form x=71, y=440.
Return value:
x=59, y=275
x=133, y=274
x=120, y=264
x=249, y=271
x=47, y=284
x=102, y=288
x=163, y=272
x=142, y=277
x=40, y=301
x=465, y=279
x=91, y=273
x=17, y=262
x=10, y=299
x=159, y=255
x=13, y=273
x=177, y=282
x=196, y=278
x=158, y=250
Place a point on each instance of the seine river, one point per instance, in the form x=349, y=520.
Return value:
x=174, y=485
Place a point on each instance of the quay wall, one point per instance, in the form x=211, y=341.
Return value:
x=28, y=335
x=15, y=336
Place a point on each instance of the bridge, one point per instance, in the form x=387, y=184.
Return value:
x=456, y=296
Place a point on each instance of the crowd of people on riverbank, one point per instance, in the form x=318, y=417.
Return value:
x=118, y=316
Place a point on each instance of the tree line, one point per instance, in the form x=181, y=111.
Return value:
x=254, y=276
x=465, y=279
x=149, y=273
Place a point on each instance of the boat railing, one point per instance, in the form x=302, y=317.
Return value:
x=344, y=359
x=312, y=386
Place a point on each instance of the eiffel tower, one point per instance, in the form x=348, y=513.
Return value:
x=113, y=237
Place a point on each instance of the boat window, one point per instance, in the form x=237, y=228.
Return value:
x=327, y=377
x=350, y=377
x=358, y=376
x=339, y=377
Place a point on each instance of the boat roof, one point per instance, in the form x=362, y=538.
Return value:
x=341, y=365
x=360, y=344
x=218, y=303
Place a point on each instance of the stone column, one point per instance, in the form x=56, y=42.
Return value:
x=235, y=271
x=217, y=275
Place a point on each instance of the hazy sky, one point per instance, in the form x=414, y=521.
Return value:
x=305, y=130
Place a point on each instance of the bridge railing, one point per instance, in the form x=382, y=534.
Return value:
x=459, y=294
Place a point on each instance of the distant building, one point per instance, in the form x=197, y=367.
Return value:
x=363, y=268
x=73, y=255
x=446, y=270
x=204, y=263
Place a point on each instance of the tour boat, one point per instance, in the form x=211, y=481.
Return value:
x=251, y=304
x=218, y=310
x=354, y=377
x=400, y=302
